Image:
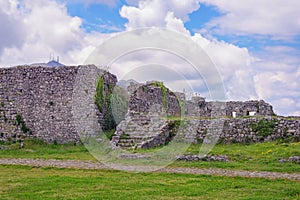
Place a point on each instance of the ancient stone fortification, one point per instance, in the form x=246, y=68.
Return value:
x=147, y=124
x=197, y=106
x=37, y=101
x=247, y=130
x=57, y=104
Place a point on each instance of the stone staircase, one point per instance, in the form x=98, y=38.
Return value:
x=140, y=130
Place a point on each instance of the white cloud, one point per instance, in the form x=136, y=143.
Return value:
x=277, y=79
x=175, y=24
x=234, y=65
x=150, y=13
x=280, y=19
x=32, y=29
x=233, y=62
x=41, y=28
x=12, y=29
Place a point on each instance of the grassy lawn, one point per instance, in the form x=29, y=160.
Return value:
x=37, y=149
x=258, y=157
x=21, y=182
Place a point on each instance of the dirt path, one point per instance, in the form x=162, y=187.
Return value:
x=183, y=170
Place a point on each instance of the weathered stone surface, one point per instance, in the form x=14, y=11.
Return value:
x=38, y=102
x=197, y=106
x=248, y=130
x=154, y=97
x=42, y=97
x=146, y=123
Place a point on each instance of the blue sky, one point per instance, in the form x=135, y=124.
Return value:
x=98, y=17
x=107, y=19
x=255, y=44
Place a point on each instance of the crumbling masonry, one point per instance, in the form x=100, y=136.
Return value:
x=39, y=102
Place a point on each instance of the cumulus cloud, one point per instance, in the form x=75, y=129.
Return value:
x=40, y=28
x=277, y=78
x=11, y=36
x=12, y=29
x=233, y=64
x=260, y=75
x=149, y=13
x=32, y=29
x=277, y=18
x=232, y=61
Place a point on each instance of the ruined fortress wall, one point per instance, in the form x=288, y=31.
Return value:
x=213, y=120
x=37, y=101
x=57, y=104
x=154, y=97
x=248, y=130
x=199, y=107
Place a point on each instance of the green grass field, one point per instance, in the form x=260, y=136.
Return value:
x=20, y=182
x=258, y=157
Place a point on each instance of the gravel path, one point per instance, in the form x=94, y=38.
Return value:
x=182, y=170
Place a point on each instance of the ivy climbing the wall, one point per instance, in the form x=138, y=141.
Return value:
x=102, y=98
x=99, y=95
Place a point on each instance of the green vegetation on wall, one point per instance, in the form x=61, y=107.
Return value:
x=99, y=95
x=264, y=127
x=21, y=122
x=102, y=98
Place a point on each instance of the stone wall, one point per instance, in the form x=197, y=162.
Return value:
x=37, y=101
x=57, y=105
x=247, y=130
x=146, y=124
x=154, y=97
x=197, y=106
x=199, y=120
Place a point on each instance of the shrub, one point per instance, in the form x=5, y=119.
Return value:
x=21, y=122
x=103, y=101
x=264, y=127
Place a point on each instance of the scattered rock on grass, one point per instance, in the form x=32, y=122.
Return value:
x=294, y=159
x=219, y=158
